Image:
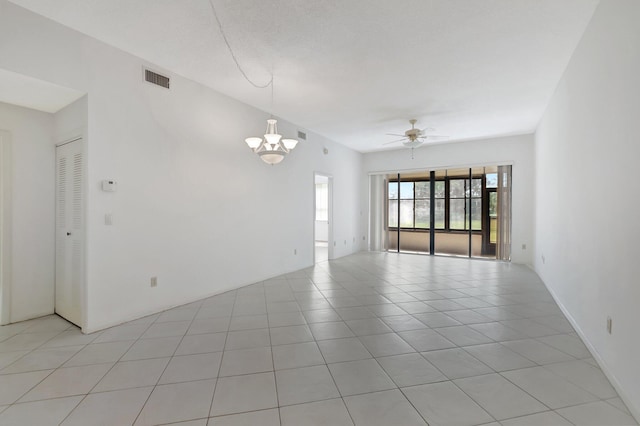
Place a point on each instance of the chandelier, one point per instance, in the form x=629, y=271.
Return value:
x=272, y=148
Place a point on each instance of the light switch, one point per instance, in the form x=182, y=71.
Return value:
x=109, y=185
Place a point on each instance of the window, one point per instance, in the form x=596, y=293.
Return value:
x=393, y=204
x=422, y=204
x=440, y=204
x=322, y=201
x=406, y=205
x=463, y=194
x=410, y=201
x=492, y=180
x=457, y=207
x=406, y=201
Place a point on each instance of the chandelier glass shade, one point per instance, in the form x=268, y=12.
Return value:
x=271, y=147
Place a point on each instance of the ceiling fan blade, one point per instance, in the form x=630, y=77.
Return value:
x=427, y=129
x=394, y=134
x=396, y=141
x=433, y=137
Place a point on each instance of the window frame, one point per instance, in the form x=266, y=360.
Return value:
x=447, y=198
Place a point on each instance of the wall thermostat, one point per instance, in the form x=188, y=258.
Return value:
x=109, y=185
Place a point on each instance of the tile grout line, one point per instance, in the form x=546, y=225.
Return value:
x=107, y=372
x=52, y=371
x=224, y=346
x=170, y=358
x=326, y=365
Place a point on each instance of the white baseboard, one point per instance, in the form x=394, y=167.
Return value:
x=142, y=314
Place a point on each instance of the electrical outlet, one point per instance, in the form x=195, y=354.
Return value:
x=354, y=239
x=543, y=259
x=524, y=247
x=154, y=281
x=609, y=324
x=334, y=243
x=345, y=242
x=295, y=251
x=363, y=238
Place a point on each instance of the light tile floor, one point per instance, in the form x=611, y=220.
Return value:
x=369, y=339
x=322, y=251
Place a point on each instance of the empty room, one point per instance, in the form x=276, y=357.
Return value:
x=419, y=212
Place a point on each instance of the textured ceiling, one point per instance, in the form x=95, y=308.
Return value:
x=357, y=69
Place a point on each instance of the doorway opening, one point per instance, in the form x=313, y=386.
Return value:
x=322, y=229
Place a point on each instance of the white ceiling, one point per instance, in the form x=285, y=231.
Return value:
x=36, y=94
x=353, y=70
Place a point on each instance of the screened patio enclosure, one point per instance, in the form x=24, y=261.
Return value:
x=457, y=212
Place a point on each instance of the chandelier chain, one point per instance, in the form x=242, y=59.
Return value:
x=235, y=59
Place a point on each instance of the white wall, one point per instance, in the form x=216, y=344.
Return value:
x=71, y=121
x=33, y=210
x=515, y=150
x=194, y=206
x=587, y=203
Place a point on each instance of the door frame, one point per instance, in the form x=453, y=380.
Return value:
x=330, y=242
x=6, y=172
x=488, y=248
x=83, y=270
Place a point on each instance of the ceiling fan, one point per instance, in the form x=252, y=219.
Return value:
x=413, y=137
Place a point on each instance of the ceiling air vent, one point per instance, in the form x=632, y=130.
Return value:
x=155, y=78
x=302, y=135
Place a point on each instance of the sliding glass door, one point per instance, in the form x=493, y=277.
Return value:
x=454, y=212
x=408, y=212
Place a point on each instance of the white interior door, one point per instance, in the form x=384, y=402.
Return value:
x=69, y=230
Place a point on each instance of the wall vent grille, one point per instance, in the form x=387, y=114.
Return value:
x=157, y=79
x=302, y=135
